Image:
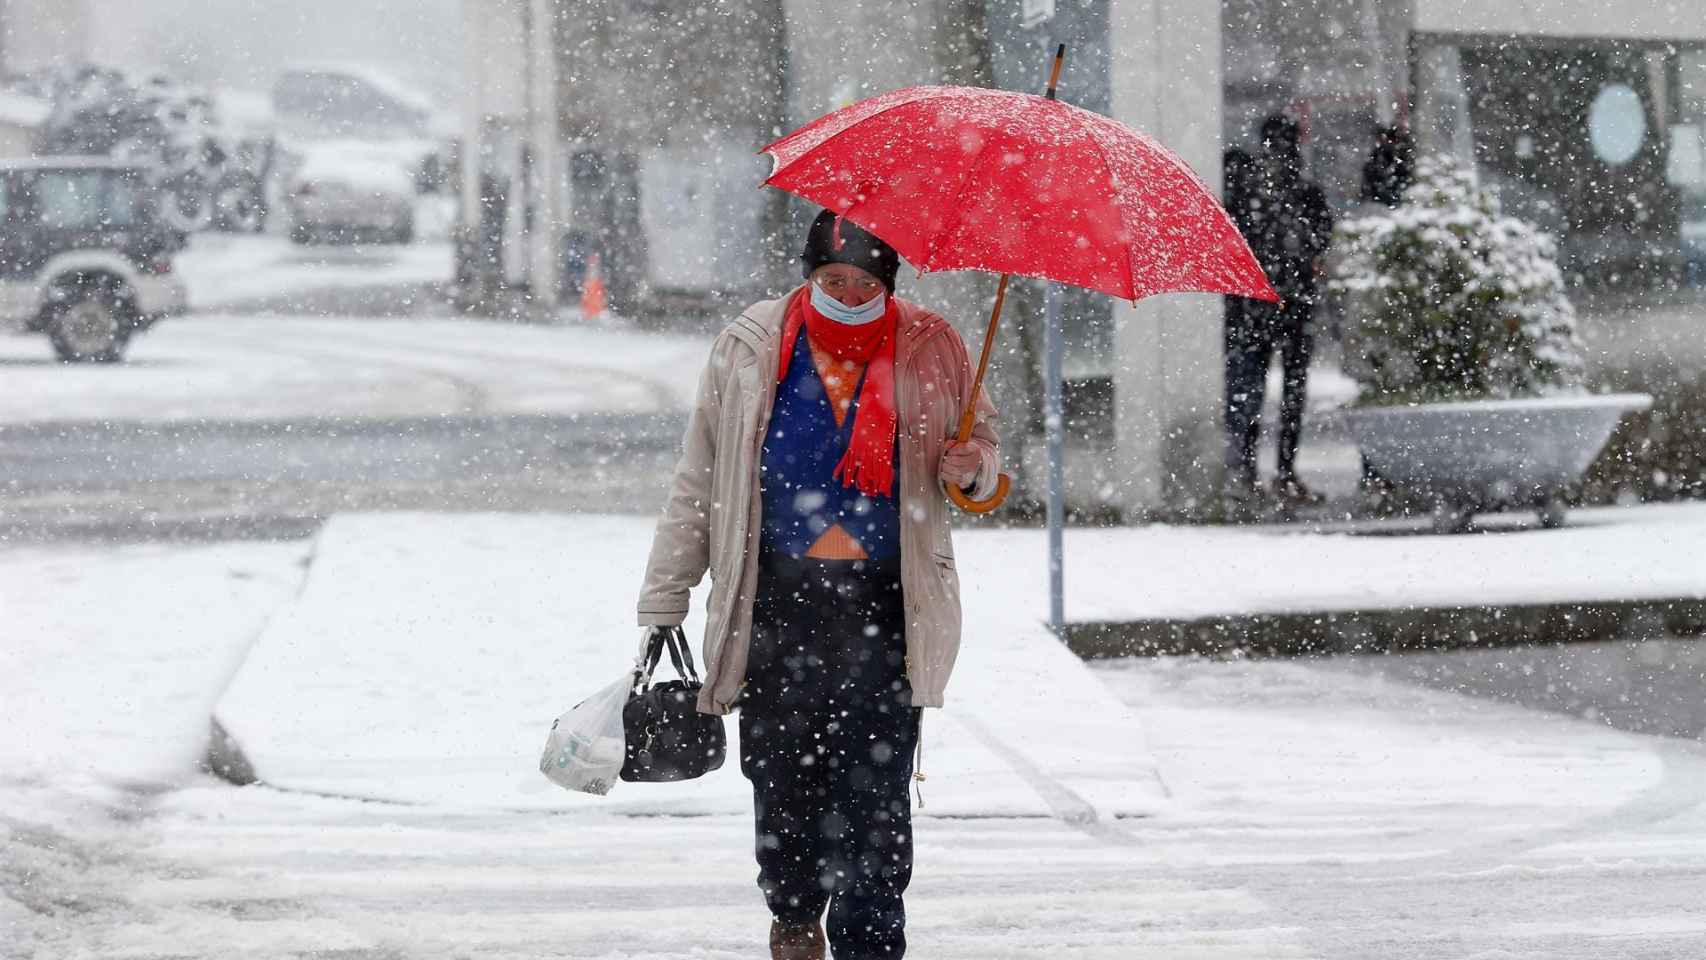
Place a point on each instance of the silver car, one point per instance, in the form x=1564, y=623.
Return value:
x=349, y=193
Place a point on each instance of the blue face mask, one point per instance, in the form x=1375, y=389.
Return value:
x=841, y=313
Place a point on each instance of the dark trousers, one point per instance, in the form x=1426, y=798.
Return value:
x=827, y=733
x=1254, y=332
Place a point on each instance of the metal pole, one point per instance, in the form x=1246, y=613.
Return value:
x=1054, y=425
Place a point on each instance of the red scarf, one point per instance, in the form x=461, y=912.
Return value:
x=868, y=463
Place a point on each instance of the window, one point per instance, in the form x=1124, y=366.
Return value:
x=85, y=199
x=68, y=200
x=123, y=201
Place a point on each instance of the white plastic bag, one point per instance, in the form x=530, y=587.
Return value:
x=586, y=747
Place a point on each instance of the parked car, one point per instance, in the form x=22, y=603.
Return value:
x=85, y=256
x=349, y=193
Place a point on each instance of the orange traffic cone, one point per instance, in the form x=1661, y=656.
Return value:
x=592, y=289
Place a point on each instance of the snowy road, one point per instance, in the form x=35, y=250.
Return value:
x=237, y=425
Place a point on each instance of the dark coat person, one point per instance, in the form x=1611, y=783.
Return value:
x=1289, y=226
x=1390, y=167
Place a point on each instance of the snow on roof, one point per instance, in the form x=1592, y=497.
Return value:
x=375, y=77
x=68, y=162
x=357, y=164
x=245, y=111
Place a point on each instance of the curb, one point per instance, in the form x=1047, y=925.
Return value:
x=1387, y=631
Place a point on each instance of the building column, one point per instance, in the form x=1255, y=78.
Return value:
x=545, y=141
x=494, y=44
x=474, y=43
x=1165, y=74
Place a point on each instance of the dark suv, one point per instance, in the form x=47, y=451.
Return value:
x=84, y=255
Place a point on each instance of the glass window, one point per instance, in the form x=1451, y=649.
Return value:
x=68, y=199
x=86, y=199
x=123, y=201
x=1685, y=166
x=1617, y=124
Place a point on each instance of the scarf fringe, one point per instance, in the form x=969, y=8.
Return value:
x=873, y=478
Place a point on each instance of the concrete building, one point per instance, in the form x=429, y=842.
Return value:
x=496, y=248
x=43, y=33
x=1587, y=111
x=36, y=34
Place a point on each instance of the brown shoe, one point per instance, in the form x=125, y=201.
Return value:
x=796, y=941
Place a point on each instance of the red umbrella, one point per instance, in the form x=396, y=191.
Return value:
x=960, y=178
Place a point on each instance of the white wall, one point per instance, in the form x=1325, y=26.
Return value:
x=1623, y=19
x=701, y=212
x=40, y=33
x=493, y=105
x=1168, y=374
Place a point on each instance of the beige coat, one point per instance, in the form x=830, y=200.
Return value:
x=711, y=521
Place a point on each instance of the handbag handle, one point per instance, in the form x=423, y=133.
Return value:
x=679, y=655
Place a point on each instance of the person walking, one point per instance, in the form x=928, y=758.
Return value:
x=812, y=486
x=1289, y=227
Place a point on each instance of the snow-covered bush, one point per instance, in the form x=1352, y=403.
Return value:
x=1448, y=299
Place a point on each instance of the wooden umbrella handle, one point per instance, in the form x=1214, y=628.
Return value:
x=968, y=419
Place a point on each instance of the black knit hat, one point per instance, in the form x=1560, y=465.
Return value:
x=856, y=247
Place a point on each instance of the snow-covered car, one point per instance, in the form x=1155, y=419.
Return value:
x=349, y=192
x=84, y=254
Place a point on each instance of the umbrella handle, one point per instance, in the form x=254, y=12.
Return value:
x=968, y=419
x=1003, y=483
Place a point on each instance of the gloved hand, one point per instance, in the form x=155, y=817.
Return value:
x=960, y=465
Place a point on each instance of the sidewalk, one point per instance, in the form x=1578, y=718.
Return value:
x=427, y=655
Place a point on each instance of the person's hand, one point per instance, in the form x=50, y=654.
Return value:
x=960, y=464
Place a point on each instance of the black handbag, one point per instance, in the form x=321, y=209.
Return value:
x=667, y=738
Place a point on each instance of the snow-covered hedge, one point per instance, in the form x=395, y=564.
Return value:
x=1448, y=299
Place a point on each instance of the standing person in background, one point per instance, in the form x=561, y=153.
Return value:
x=1386, y=174
x=1390, y=166
x=1240, y=417
x=1289, y=227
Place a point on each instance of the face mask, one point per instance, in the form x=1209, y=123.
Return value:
x=841, y=313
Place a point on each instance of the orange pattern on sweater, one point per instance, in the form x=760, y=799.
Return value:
x=840, y=385
x=840, y=381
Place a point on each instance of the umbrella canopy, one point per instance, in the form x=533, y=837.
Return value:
x=961, y=178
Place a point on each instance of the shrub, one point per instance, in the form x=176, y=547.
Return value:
x=1449, y=299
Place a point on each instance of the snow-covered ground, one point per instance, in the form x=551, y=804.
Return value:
x=1310, y=810
x=452, y=609
x=222, y=269
x=1164, y=572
